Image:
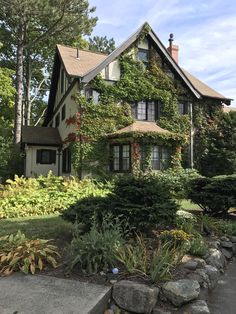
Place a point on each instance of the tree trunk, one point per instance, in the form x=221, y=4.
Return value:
x=28, y=88
x=19, y=87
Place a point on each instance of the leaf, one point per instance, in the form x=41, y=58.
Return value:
x=32, y=269
x=40, y=264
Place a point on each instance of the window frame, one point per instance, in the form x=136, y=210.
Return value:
x=146, y=51
x=159, y=159
x=66, y=160
x=134, y=108
x=121, y=158
x=52, y=156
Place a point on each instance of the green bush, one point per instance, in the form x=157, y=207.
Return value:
x=198, y=247
x=214, y=195
x=175, y=238
x=19, y=253
x=44, y=195
x=97, y=249
x=144, y=201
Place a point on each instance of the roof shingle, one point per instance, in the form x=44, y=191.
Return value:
x=40, y=136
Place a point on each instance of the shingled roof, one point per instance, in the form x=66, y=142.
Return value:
x=140, y=127
x=74, y=66
x=40, y=136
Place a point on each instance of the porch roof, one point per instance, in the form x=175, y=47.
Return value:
x=40, y=136
x=140, y=127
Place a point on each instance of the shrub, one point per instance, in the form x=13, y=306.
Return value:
x=45, y=195
x=96, y=250
x=214, y=195
x=185, y=221
x=19, y=253
x=134, y=256
x=144, y=201
x=197, y=246
x=178, y=181
x=175, y=238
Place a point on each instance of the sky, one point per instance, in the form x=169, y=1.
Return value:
x=205, y=32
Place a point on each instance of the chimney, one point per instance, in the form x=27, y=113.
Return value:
x=77, y=53
x=173, y=49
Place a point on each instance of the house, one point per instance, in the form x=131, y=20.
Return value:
x=73, y=73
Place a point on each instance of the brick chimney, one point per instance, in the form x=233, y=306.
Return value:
x=173, y=49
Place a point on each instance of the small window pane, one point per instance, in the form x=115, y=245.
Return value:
x=63, y=112
x=116, y=155
x=155, y=157
x=125, y=157
x=151, y=111
x=45, y=157
x=181, y=108
x=141, y=110
x=164, y=158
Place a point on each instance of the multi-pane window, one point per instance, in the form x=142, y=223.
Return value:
x=158, y=155
x=145, y=110
x=120, y=161
x=183, y=107
x=46, y=156
x=142, y=110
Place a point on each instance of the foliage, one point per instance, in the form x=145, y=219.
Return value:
x=214, y=195
x=178, y=180
x=176, y=238
x=101, y=44
x=19, y=253
x=134, y=256
x=198, y=247
x=143, y=200
x=45, y=195
x=96, y=250
x=185, y=221
x=163, y=261
x=92, y=122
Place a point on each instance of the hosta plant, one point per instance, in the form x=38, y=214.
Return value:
x=27, y=255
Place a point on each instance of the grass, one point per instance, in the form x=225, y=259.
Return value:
x=45, y=227
x=188, y=205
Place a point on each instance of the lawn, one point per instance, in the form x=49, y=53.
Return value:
x=45, y=227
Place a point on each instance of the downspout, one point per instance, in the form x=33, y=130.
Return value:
x=191, y=134
x=59, y=161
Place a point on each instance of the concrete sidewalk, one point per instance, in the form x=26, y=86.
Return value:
x=21, y=294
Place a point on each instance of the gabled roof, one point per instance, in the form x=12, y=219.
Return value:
x=202, y=88
x=74, y=66
x=40, y=136
x=141, y=127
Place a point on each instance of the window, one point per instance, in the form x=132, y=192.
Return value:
x=62, y=80
x=142, y=110
x=145, y=110
x=159, y=158
x=57, y=120
x=88, y=93
x=66, y=160
x=143, y=56
x=120, y=161
x=63, y=112
x=46, y=156
x=183, y=107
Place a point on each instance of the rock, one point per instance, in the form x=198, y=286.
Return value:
x=234, y=248
x=113, y=281
x=224, y=238
x=227, y=253
x=135, y=297
x=188, y=258
x=109, y=311
x=216, y=259
x=159, y=310
x=197, y=307
x=215, y=244
x=233, y=239
x=204, y=280
x=181, y=291
x=213, y=275
x=226, y=244
x=191, y=265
